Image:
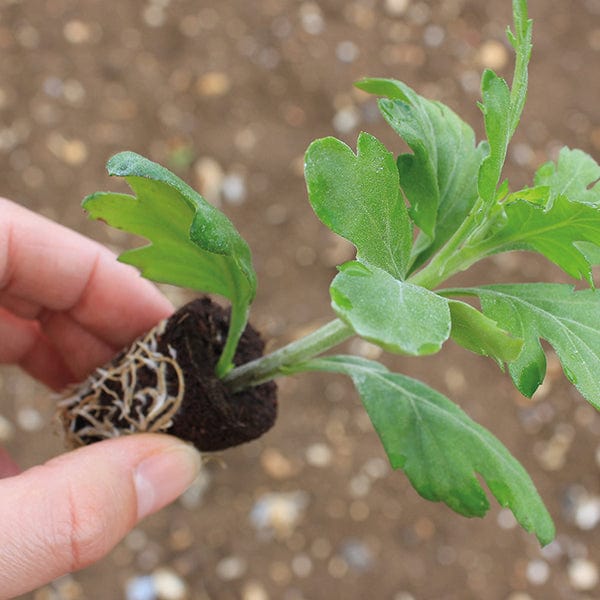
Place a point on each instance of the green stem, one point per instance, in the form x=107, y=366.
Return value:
x=239, y=318
x=272, y=365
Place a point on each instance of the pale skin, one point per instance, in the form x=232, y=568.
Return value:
x=66, y=306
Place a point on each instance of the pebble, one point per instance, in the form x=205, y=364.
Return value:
x=233, y=188
x=231, y=568
x=254, y=590
x=276, y=465
x=213, y=84
x=347, y=51
x=209, y=177
x=319, y=455
x=311, y=18
x=587, y=513
x=537, y=572
x=302, y=565
x=506, y=520
x=73, y=152
x=77, y=32
x=519, y=596
x=492, y=55
x=7, y=430
x=169, y=585
x=140, y=588
x=396, y=8
x=583, y=574
x=30, y=419
x=434, y=36
x=346, y=119
x=357, y=555
x=278, y=513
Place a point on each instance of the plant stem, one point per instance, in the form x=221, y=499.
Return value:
x=272, y=365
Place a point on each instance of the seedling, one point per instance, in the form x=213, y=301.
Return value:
x=415, y=222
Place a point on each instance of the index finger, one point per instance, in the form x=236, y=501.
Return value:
x=48, y=267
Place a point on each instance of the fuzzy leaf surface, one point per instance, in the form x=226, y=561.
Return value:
x=358, y=197
x=565, y=318
x=574, y=175
x=552, y=230
x=502, y=106
x=192, y=244
x=396, y=315
x=439, y=178
x=439, y=447
x=482, y=335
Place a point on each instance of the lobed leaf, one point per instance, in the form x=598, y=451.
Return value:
x=439, y=447
x=553, y=230
x=439, y=178
x=501, y=106
x=358, y=197
x=396, y=315
x=482, y=335
x=575, y=175
x=566, y=318
x=192, y=244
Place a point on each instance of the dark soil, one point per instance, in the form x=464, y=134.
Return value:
x=211, y=417
x=232, y=91
x=207, y=413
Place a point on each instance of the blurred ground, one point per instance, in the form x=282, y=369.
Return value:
x=229, y=94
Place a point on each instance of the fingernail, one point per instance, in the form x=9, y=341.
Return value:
x=161, y=478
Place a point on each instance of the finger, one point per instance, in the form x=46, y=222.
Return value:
x=24, y=344
x=46, y=265
x=8, y=467
x=68, y=513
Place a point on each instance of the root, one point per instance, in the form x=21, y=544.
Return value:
x=113, y=401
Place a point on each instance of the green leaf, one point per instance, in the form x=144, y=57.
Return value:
x=575, y=175
x=482, y=335
x=439, y=447
x=552, y=230
x=501, y=106
x=440, y=177
x=358, y=197
x=192, y=244
x=566, y=318
x=396, y=315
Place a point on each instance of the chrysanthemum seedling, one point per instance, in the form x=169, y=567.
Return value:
x=201, y=374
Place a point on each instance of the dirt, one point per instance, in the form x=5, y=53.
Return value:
x=165, y=382
x=229, y=94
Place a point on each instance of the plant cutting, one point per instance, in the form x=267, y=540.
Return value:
x=415, y=221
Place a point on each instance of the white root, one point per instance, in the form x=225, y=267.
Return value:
x=86, y=414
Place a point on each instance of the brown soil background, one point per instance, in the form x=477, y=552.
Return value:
x=248, y=85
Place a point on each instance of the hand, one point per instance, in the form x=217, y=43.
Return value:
x=66, y=306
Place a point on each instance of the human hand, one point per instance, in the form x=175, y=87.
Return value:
x=66, y=307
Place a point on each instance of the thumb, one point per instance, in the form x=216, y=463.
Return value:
x=68, y=513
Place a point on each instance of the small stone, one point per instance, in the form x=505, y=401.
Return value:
x=302, y=565
x=140, y=588
x=346, y=119
x=587, y=513
x=231, y=568
x=29, y=419
x=319, y=455
x=276, y=465
x=506, y=520
x=254, y=590
x=7, y=430
x=359, y=486
x=311, y=18
x=193, y=496
x=213, y=84
x=492, y=55
x=583, y=574
x=209, y=177
x=537, y=572
x=433, y=36
x=347, y=51
x=404, y=596
x=233, y=188
x=77, y=32
x=357, y=555
x=154, y=15
x=278, y=513
x=169, y=585
x=519, y=596
x=396, y=8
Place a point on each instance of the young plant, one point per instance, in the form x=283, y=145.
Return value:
x=185, y=377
